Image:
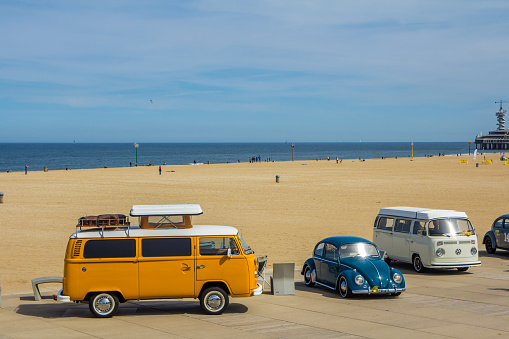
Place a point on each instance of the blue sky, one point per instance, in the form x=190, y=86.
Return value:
x=251, y=71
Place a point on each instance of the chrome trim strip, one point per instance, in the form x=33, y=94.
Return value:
x=321, y=284
x=378, y=272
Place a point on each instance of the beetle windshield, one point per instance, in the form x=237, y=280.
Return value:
x=360, y=249
x=245, y=248
x=450, y=227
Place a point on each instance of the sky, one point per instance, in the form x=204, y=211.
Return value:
x=251, y=71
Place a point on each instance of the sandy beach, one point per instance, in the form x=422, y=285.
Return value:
x=313, y=200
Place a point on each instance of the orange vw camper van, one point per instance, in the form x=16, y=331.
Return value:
x=108, y=261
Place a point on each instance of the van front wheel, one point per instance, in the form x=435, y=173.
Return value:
x=104, y=304
x=214, y=300
x=418, y=266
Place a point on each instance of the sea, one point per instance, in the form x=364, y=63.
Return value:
x=58, y=156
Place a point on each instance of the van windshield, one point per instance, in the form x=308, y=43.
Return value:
x=360, y=249
x=246, y=249
x=450, y=227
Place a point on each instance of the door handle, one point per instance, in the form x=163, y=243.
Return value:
x=186, y=267
x=201, y=266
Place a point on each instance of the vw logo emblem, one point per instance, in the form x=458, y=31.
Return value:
x=458, y=251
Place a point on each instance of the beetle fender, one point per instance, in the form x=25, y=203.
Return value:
x=349, y=275
x=492, y=236
x=311, y=265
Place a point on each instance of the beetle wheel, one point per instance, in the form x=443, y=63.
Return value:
x=308, y=279
x=344, y=289
x=214, y=300
x=489, y=246
x=418, y=267
x=462, y=269
x=103, y=305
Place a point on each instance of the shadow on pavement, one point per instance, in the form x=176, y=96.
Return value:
x=408, y=269
x=326, y=292
x=81, y=310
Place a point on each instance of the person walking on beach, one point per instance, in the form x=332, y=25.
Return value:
x=159, y=169
x=26, y=169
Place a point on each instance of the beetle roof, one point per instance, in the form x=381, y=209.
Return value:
x=340, y=240
x=421, y=213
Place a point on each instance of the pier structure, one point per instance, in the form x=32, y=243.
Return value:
x=498, y=139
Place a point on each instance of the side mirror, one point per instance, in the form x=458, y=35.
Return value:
x=229, y=252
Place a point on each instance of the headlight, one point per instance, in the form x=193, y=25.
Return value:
x=473, y=250
x=397, y=278
x=440, y=251
x=359, y=280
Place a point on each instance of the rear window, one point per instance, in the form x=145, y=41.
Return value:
x=385, y=223
x=110, y=248
x=166, y=247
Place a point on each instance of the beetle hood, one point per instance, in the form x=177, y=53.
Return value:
x=374, y=270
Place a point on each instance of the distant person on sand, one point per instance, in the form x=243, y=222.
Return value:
x=159, y=169
x=26, y=169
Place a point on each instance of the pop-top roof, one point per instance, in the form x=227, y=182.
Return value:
x=421, y=213
x=183, y=209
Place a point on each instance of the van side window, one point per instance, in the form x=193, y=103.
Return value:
x=498, y=223
x=331, y=252
x=319, y=249
x=385, y=223
x=218, y=246
x=403, y=225
x=110, y=248
x=419, y=226
x=166, y=247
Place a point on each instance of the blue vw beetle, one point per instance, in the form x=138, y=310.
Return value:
x=351, y=265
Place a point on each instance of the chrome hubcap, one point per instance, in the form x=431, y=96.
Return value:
x=342, y=286
x=214, y=301
x=103, y=304
x=308, y=275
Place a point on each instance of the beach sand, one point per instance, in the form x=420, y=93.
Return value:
x=313, y=200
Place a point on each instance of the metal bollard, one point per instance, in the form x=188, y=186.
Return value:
x=1, y=197
x=277, y=178
x=477, y=164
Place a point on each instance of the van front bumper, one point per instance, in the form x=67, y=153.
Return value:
x=258, y=290
x=455, y=265
x=63, y=298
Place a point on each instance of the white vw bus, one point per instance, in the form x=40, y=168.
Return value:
x=427, y=238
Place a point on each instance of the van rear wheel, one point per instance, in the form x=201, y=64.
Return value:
x=214, y=300
x=104, y=304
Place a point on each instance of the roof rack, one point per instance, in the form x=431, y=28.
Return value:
x=104, y=221
x=161, y=216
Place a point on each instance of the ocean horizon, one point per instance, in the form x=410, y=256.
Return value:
x=57, y=156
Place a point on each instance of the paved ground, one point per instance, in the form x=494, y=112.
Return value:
x=443, y=303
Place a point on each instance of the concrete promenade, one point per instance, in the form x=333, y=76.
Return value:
x=438, y=304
